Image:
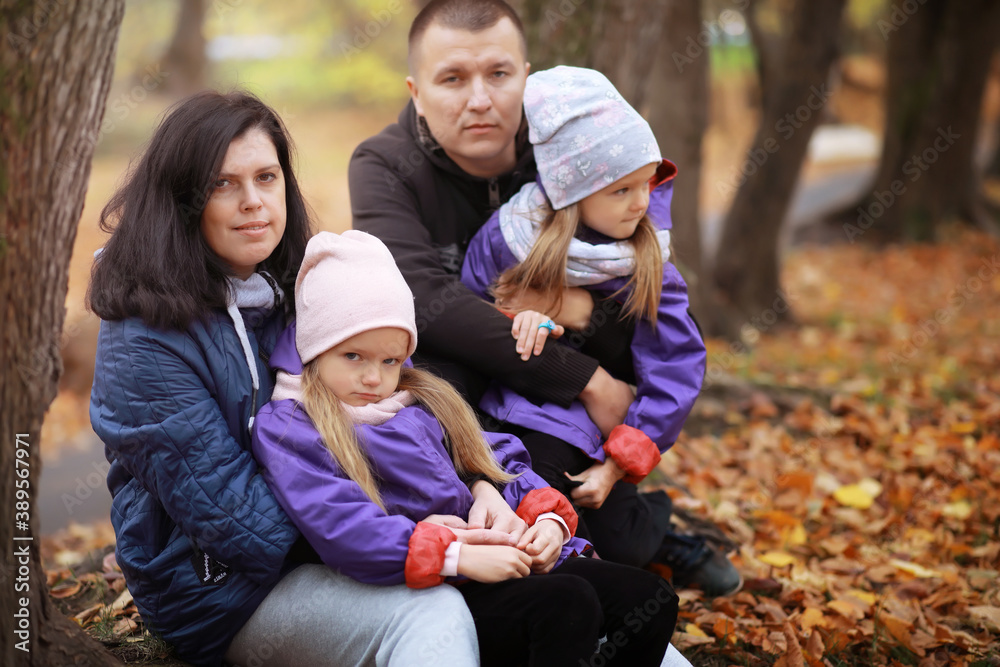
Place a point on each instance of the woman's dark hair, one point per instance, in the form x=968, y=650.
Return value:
x=157, y=265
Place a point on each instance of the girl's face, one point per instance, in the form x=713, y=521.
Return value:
x=244, y=219
x=365, y=368
x=616, y=210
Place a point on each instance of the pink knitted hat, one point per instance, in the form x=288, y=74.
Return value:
x=348, y=284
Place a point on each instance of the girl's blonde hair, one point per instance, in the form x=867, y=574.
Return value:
x=544, y=269
x=463, y=435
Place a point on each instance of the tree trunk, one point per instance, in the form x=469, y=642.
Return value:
x=746, y=270
x=56, y=69
x=938, y=63
x=185, y=59
x=677, y=109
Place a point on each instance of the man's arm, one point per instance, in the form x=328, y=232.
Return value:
x=451, y=320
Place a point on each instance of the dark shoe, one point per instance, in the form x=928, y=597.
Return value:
x=695, y=564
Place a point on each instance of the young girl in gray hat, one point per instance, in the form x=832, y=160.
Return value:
x=598, y=218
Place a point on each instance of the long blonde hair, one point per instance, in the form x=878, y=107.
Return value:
x=544, y=269
x=463, y=436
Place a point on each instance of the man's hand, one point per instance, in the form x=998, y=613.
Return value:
x=490, y=564
x=530, y=336
x=490, y=510
x=543, y=542
x=575, y=310
x=598, y=480
x=472, y=536
x=607, y=400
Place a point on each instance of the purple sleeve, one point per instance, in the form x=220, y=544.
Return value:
x=669, y=365
x=349, y=532
x=513, y=457
x=486, y=258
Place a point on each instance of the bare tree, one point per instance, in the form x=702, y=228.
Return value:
x=186, y=57
x=746, y=271
x=56, y=69
x=938, y=62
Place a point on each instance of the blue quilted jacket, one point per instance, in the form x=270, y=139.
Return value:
x=200, y=537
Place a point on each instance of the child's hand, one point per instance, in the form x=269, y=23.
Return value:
x=575, y=311
x=465, y=535
x=530, y=336
x=490, y=564
x=598, y=480
x=543, y=542
x=490, y=510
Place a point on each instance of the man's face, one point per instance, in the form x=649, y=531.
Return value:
x=470, y=87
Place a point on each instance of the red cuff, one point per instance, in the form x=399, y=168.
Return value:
x=426, y=557
x=633, y=451
x=540, y=501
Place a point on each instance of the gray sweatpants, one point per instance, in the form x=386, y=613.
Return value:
x=315, y=616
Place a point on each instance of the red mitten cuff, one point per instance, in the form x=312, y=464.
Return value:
x=426, y=557
x=540, y=501
x=633, y=451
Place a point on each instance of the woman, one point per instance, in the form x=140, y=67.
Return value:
x=193, y=287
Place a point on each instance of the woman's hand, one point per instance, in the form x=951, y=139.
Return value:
x=607, y=400
x=543, y=542
x=530, y=336
x=575, y=310
x=598, y=480
x=471, y=536
x=490, y=510
x=490, y=564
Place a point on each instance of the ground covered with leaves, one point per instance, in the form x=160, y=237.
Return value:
x=854, y=460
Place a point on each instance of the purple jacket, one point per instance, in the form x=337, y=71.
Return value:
x=669, y=361
x=349, y=532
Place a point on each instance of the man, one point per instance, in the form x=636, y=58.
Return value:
x=425, y=185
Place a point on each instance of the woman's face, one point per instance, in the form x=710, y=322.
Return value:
x=244, y=218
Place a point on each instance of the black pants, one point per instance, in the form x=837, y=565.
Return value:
x=553, y=619
x=628, y=528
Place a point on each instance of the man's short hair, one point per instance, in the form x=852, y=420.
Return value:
x=469, y=15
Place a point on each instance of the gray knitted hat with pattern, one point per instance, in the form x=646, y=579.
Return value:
x=586, y=136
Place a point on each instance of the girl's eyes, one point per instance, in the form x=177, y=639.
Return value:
x=391, y=362
x=352, y=356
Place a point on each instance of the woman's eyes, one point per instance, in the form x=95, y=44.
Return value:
x=266, y=177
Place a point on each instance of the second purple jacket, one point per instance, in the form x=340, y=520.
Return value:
x=669, y=360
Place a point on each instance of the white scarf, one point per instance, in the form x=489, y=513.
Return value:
x=260, y=290
x=290, y=386
x=587, y=263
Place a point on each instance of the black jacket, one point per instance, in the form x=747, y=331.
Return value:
x=406, y=191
